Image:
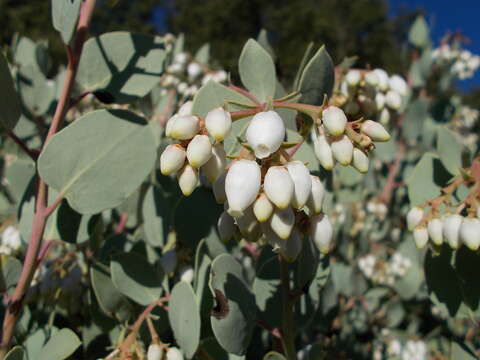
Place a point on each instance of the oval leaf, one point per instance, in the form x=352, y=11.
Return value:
x=65, y=17
x=9, y=101
x=60, y=346
x=450, y=150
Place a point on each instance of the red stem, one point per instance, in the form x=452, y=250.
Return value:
x=246, y=94
x=32, y=153
x=122, y=223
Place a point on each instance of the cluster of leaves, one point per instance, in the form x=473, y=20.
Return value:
x=128, y=261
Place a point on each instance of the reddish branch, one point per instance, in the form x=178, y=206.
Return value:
x=42, y=211
x=394, y=168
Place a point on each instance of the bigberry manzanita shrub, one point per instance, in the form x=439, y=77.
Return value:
x=153, y=209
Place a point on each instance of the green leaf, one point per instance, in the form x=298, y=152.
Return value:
x=267, y=290
x=11, y=269
x=111, y=301
x=415, y=116
x=450, y=150
x=36, y=94
x=426, y=179
x=116, y=154
x=203, y=54
x=215, y=351
x=60, y=346
x=73, y=227
x=17, y=353
x=65, y=15
x=317, y=78
x=342, y=276
x=9, y=102
x=257, y=71
x=233, y=317
x=462, y=352
x=184, y=317
x=262, y=39
x=419, y=34
x=120, y=66
x=19, y=173
x=273, y=355
x=156, y=213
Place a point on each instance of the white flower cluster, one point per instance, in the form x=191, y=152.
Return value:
x=337, y=140
x=461, y=63
x=379, y=209
x=156, y=352
x=372, y=93
x=468, y=116
x=384, y=272
x=454, y=229
x=415, y=350
x=186, y=75
x=11, y=241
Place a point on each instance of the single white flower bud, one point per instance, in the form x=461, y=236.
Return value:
x=451, y=229
x=199, y=151
x=398, y=84
x=321, y=232
x=278, y=186
x=215, y=166
x=172, y=159
x=180, y=58
x=380, y=101
x=186, y=108
x=342, y=150
x=353, y=77
x=219, y=189
x=414, y=216
x=371, y=78
x=262, y=208
x=420, y=235
x=187, y=274
x=360, y=160
x=393, y=100
x=174, y=354
x=470, y=233
x=375, y=131
x=220, y=76
x=182, y=88
x=302, y=182
x=194, y=70
x=384, y=116
x=184, y=127
x=265, y=133
x=291, y=248
x=247, y=223
x=169, y=125
x=334, y=120
x=218, y=123
x=316, y=196
x=187, y=179
x=282, y=221
x=323, y=151
x=155, y=352
x=225, y=226
x=382, y=79
x=435, y=231
x=242, y=185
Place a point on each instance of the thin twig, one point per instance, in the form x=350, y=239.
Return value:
x=122, y=223
x=32, y=153
x=246, y=94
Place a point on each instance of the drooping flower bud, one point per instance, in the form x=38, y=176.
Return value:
x=291, y=248
x=184, y=127
x=470, y=233
x=155, y=352
x=342, y=150
x=323, y=151
x=187, y=179
x=169, y=125
x=451, y=229
x=216, y=164
x=302, y=182
x=194, y=69
x=393, y=100
x=382, y=79
x=186, y=109
x=414, y=216
x=219, y=188
x=321, y=232
x=360, y=160
x=174, y=353
x=384, y=117
x=380, y=101
x=353, y=77
x=225, y=226
x=334, y=120
x=371, y=78
x=420, y=235
x=282, y=221
x=218, y=123
x=435, y=231
x=317, y=194
x=262, y=208
x=375, y=130
x=398, y=84
x=265, y=133
x=278, y=186
x=242, y=185
x=199, y=151
x=248, y=224
x=187, y=274
x=172, y=159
